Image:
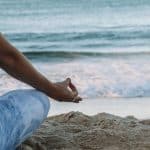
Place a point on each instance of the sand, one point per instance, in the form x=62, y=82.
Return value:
x=77, y=131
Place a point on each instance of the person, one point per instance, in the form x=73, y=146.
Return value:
x=22, y=111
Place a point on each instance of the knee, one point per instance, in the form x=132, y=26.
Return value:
x=30, y=100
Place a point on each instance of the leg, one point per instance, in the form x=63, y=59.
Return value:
x=22, y=112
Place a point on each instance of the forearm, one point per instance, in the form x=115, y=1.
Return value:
x=15, y=64
x=19, y=67
x=22, y=70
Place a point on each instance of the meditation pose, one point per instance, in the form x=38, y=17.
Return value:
x=22, y=111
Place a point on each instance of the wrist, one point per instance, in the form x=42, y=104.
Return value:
x=50, y=90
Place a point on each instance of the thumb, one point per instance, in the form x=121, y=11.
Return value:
x=67, y=82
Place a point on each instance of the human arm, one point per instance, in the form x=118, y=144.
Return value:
x=17, y=65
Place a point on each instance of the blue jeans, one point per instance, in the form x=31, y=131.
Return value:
x=21, y=113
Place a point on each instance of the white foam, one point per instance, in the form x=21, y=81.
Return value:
x=104, y=77
x=96, y=77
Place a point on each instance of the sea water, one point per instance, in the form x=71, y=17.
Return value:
x=103, y=45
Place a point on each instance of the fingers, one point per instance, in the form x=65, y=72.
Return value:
x=77, y=99
x=66, y=91
x=74, y=91
x=67, y=82
x=71, y=86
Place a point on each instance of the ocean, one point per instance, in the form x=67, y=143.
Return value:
x=103, y=45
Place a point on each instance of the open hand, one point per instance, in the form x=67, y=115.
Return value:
x=66, y=91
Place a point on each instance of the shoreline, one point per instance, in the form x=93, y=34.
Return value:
x=138, y=107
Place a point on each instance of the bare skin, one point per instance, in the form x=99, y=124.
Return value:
x=17, y=65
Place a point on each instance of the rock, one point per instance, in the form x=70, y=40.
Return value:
x=76, y=131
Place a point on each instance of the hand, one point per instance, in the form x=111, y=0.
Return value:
x=66, y=91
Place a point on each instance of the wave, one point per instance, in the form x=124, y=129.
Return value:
x=75, y=54
x=103, y=40
x=95, y=78
x=110, y=33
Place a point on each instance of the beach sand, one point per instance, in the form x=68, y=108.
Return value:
x=77, y=131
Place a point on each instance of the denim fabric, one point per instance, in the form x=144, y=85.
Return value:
x=21, y=113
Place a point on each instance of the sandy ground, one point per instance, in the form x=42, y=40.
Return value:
x=77, y=131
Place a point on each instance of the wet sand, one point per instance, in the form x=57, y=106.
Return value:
x=138, y=107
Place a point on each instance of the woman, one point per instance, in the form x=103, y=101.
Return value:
x=22, y=111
